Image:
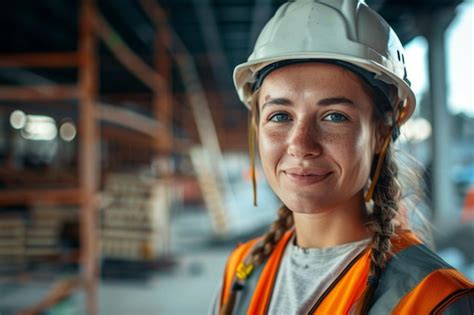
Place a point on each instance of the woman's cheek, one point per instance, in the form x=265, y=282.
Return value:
x=272, y=136
x=270, y=143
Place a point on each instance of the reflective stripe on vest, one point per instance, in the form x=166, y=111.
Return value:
x=403, y=287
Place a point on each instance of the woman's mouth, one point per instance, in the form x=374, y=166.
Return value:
x=306, y=176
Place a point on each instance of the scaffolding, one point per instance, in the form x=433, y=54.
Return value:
x=92, y=27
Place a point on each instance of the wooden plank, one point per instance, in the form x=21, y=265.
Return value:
x=46, y=60
x=130, y=119
x=52, y=196
x=38, y=93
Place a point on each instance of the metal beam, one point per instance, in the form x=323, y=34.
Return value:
x=262, y=12
x=219, y=63
x=442, y=187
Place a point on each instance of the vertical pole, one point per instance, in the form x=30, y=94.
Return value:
x=163, y=112
x=442, y=186
x=88, y=155
x=162, y=98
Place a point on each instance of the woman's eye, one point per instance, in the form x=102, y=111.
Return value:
x=279, y=117
x=336, y=117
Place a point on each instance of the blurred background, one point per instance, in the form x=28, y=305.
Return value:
x=124, y=173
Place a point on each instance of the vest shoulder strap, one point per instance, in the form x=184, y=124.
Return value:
x=406, y=285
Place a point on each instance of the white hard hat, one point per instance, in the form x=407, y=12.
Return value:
x=345, y=31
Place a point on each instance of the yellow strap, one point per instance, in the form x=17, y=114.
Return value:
x=251, y=135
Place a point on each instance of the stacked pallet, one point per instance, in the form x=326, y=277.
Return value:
x=43, y=236
x=135, y=223
x=12, y=243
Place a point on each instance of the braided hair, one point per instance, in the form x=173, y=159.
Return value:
x=382, y=223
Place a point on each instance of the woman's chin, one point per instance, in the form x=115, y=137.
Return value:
x=308, y=205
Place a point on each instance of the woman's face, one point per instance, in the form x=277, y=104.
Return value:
x=316, y=136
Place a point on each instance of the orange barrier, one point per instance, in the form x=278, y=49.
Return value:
x=468, y=208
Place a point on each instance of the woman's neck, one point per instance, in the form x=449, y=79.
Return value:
x=330, y=228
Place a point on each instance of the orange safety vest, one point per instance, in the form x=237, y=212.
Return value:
x=415, y=281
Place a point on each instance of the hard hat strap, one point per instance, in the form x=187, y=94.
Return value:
x=401, y=115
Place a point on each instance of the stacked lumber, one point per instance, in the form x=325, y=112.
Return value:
x=135, y=222
x=12, y=243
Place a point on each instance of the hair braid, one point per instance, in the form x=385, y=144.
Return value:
x=269, y=240
x=261, y=251
x=382, y=222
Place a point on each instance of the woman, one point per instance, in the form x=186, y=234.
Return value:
x=328, y=90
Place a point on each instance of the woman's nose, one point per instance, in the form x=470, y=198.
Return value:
x=303, y=140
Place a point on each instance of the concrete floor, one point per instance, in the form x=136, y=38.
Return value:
x=187, y=286
x=188, y=289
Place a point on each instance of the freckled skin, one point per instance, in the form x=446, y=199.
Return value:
x=339, y=139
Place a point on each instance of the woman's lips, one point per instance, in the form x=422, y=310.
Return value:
x=306, y=176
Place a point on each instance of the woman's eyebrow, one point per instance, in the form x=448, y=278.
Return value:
x=277, y=101
x=335, y=100
x=323, y=102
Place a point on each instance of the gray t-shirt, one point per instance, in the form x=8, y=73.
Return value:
x=305, y=274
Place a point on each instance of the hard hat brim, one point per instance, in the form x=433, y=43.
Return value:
x=244, y=76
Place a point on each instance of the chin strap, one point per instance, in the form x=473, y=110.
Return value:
x=251, y=140
x=370, y=192
x=401, y=116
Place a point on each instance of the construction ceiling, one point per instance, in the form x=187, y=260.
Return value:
x=219, y=34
